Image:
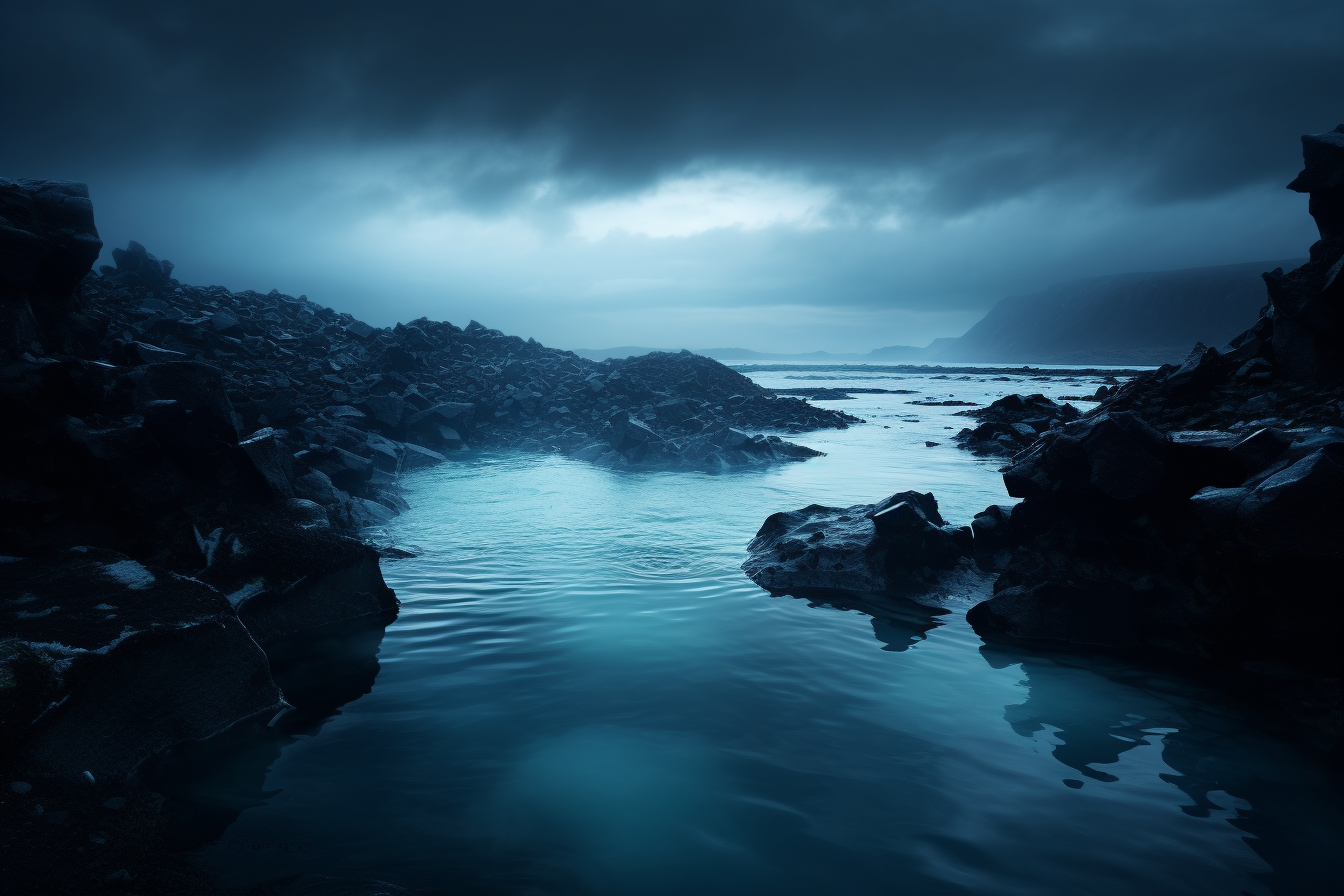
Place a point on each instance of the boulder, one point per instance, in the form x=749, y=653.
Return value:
x=284, y=573
x=1115, y=458
x=139, y=659
x=198, y=390
x=138, y=263
x=1296, y=513
x=894, y=546
x=267, y=457
x=48, y=242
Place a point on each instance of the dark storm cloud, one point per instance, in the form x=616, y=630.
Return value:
x=972, y=101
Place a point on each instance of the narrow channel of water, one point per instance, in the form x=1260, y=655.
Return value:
x=584, y=695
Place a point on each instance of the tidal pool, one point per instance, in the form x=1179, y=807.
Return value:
x=584, y=695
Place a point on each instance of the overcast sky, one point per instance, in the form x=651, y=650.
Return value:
x=773, y=175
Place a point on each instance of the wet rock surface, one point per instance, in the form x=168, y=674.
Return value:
x=1013, y=422
x=1193, y=517
x=897, y=545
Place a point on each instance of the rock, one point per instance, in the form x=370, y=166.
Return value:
x=1295, y=513
x=1058, y=612
x=1012, y=423
x=1260, y=449
x=894, y=546
x=1307, y=305
x=142, y=659
x=268, y=458
x=1114, y=457
x=415, y=457
x=386, y=409
x=285, y=574
x=48, y=242
x=449, y=439
x=135, y=261
x=198, y=390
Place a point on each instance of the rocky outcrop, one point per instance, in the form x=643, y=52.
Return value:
x=1307, y=305
x=120, y=660
x=1197, y=503
x=48, y=242
x=896, y=546
x=150, y=555
x=1012, y=423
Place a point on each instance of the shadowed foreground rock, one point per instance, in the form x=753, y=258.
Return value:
x=149, y=557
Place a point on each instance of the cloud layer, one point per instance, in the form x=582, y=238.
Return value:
x=656, y=148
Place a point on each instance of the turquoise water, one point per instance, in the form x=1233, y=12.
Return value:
x=584, y=695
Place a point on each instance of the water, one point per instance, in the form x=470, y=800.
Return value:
x=584, y=695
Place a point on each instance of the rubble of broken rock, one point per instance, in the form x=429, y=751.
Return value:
x=358, y=404
x=1193, y=517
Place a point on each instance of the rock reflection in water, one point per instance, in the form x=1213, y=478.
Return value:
x=1224, y=756
x=898, y=622
x=210, y=784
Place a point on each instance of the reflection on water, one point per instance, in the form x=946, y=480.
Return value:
x=210, y=784
x=584, y=695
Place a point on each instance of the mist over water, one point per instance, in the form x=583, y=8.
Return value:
x=584, y=695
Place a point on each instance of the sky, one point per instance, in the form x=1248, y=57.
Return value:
x=772, y=175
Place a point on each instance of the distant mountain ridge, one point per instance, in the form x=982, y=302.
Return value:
x=1147, y=318
x=1144, y=318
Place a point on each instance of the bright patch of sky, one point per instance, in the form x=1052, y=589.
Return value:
x=686, y=206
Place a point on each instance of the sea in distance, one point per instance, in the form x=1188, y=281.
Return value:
x=583, y=694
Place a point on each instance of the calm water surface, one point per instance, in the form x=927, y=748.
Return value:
x=584, y=695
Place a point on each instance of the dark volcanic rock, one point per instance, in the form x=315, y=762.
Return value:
x=1012, y=423
x=135, y=659
x=48, y=242
x=324, y=382
x=147, y=550
x=895, y=546
x=1307, y=305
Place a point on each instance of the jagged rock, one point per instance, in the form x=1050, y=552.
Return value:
x=1291, y=515
x=1115, y=457
x=1012, y=423
x=1307, y=305
x=268, y=458
x=284, y=572
x=894, y=546
x=136, y=262
x=136, y=660
x=48, y=242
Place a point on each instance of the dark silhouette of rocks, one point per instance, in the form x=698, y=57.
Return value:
x=1307, y=305
x=47, y=244
x=1193, y=517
